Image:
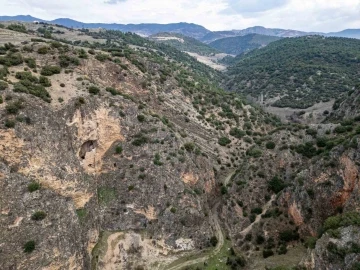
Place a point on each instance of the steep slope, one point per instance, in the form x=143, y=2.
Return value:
x=298, y=72
x=242, y=44
x=123, y=153
x=115, y=155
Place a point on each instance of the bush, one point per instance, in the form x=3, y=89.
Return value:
x=30, y=62
x=112, y=90
x=260, y=239
x=141, y=118
x=157, y=161
x=223, y=141
x=17, y=27
x=140, y=140
x=307, y=150
x=39, y=215
x=267, y=253
x=270, y=145
x=1, y=100
x=34, y=89
x=66, y=61
x=12, y=59
x=214, y=241
x=9, y=123
x=118, y=149
x=276, y=184
x=190, y=146
x=310, y=242
x=44, y=81
x=25, y=75
x=62, y=84
x=43, y=50
x=101, y=57
x=14, y=107
x=34, y=186
x=346, y=219
x=223, y=190
x=94, y=90
x=50, y=70
x=237, y=133
x=288, y=235
x=29, y=246
x=173, y=210
x=3, y=85
x=254, y=152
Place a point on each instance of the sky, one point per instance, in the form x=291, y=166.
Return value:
x=305, y=15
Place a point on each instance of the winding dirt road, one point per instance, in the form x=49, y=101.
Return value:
x=219, y=233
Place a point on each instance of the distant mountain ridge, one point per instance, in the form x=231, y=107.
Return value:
x=188, y=29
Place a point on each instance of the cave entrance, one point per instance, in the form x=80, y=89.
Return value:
x=87, y=146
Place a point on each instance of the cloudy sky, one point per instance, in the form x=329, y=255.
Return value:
x=307, y=15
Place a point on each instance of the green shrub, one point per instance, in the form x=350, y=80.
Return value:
x=141, y=118
x=112, y=90
x=33, y=186
x=270, y=145
x=173, y=210
x=17, y=27
x=14, y=107
x=254, y=152
x=223, y=141
x=140, y=140
x=44, y=81
x=34, y=89
x=256, y=210
x=94, y=90
x=237, y=133
x=267, y=253
x=25, y=75
x=50, y=70
x=260, y=239
x=43, y=50
x=29, y=246
x=66, y=61
x=157, y=161
x=11, y=59
x=190, y=146
x=310, y=242
x=214, y=241
x=119, y=149
x=288, y=235
x=345, y=219
x=101, y=57
x=39, y=215
x=3, y=85
x=1, y=100
x=307, y=150
x=276, y=184
x=9, y=123
x=31, y=63
x=223, y=190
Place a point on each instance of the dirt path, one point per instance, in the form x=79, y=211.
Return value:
x=258, y=217
x=214, y=219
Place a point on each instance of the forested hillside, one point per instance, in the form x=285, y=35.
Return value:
x=298, y=72
x=242, y=44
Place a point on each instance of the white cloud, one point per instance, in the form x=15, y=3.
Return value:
x=308, y=15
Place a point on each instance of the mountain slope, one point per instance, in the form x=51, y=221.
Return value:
x=348, y=33
x=298, y=72
x=184, y=43
x=241, y=44
x=145, y=29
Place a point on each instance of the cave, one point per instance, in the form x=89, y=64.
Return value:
x=87, y=146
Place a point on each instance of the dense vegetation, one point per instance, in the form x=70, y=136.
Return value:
x=242, y=44
x=299, y=71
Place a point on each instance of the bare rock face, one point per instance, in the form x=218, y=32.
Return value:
x=340, y=251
